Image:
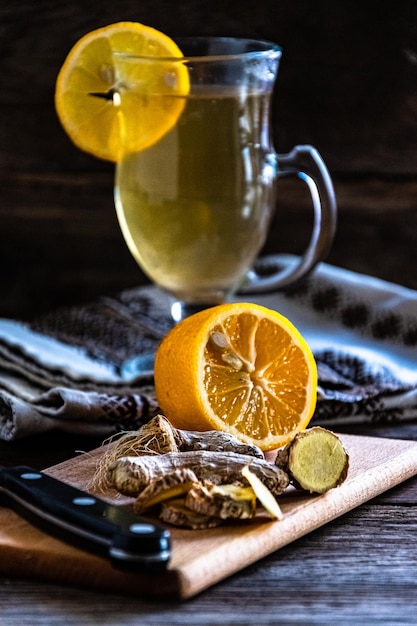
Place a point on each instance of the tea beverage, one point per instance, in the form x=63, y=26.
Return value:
x=194, y=207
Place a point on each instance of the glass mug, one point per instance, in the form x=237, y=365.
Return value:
x=195, y=206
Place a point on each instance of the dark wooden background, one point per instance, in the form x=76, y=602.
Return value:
x=347, y=84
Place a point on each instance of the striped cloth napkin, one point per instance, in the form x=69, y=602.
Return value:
x=88, y=369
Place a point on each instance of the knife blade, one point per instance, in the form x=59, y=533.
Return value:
x=77, y=517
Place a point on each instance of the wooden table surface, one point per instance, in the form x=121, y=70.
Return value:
x=361, y=567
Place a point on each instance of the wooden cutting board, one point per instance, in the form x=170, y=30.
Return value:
x=202, y=558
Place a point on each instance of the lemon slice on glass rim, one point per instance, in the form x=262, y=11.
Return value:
x=120, y=89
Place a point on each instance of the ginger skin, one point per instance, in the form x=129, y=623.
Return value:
x=159, y=437
x=130, y=475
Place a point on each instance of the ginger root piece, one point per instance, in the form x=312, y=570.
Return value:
x=315, y=460
x=224, y=501
x=158, y=436
x=216, y=440
x=175, y=512
x=155, y=437
x=263, y=494
x=172, y=485
x=130, y=475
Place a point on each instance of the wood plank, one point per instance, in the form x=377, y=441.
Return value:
x=203, y=558
x=346, y=82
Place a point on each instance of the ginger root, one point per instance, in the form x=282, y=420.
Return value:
x=157, y=437
x=263, y=494
x=223, y=501
x=176, y=512
x=130, y=475
x=199, y=479
x=315, y=460
x=172, y=485
x=211, y=485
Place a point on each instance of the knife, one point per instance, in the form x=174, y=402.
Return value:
x=130, y=542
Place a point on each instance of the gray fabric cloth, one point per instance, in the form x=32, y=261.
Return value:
x=363, y=333
x=88, y=369
x=76, y=369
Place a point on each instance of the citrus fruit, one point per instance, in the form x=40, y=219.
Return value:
x=120, y=89
x=239, y=368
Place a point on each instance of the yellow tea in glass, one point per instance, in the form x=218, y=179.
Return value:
x=195, y=206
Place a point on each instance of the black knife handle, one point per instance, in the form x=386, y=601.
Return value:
x=78, y=517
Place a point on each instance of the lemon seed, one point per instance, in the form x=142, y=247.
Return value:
x=219, y=340
x=233, y=360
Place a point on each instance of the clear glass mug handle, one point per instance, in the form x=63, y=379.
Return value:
x=305, y=162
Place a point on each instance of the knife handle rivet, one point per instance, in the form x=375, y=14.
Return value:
x=141, y=529
x=84, y=501
x=31, y=476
